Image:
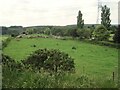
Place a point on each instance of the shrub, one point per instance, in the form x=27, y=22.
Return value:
x=116, y=36
x=73, y=33
x=101, y=33
x=84, y=33
x=14, y=35
x=50, y=60
x=87, y=33
x=10, y=63
x=34, y=45
x=5, y=42
x=74, y=47
x=80, y=33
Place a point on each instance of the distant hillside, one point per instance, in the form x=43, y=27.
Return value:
x=19, y=29
x=72, y=25
x=91, y=25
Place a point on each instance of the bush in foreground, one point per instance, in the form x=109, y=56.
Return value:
x=51, y=60
x=26, y=78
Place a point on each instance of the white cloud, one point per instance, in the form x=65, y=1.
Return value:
x=51, y=12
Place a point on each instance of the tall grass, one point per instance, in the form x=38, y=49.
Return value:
x=28, y=78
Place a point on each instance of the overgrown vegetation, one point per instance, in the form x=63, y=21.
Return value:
x=51, y=60
x=34, y=78
x=5, y=42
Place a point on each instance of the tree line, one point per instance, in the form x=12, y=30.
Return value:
x=101, y=32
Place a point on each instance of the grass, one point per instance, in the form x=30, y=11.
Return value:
x=31, y=79
x=3, y=37
x=94, y=60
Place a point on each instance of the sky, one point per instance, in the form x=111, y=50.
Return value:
x=52, y=12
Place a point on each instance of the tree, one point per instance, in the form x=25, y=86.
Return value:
x=105, y=17
x=87, y=33
x=113, y=29
x=74, y=33
x=84, y=33
x=30, y=31
x=80, y=33
x=116, y=37
x=4, y=30
x=101, y=33
x=80, y=21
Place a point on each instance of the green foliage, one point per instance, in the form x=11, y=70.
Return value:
x=105, y=17
x=116, y=37
x=57, y=31
x=113, y=29
x=88, y=33
x=6, y=60
x=103, y=43
x=84, y=33
x=48, y=31
x=10, y=64
x=5, y=42
x=101, y=33
x=15, y=75
x=14, y=34
x=74, y=33
x=15, y=30
x=30, y=31
x=62, y=30
x=4, y=30
x=80, y=22
x=80, y=33
x=51, y=60
x=30, y=79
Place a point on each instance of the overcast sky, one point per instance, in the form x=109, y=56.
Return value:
x=51, y=12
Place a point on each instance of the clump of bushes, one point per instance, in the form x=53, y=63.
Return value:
x=101, y=33
x=84, y=33
x=11, y=64
x=37, y=67
x=50, y=60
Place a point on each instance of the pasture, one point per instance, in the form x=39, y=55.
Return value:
x=94, y=60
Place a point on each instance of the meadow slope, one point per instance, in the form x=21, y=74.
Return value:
x=90, y=59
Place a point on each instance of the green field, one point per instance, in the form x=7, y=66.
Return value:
x=90, y=59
